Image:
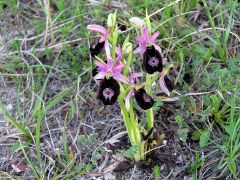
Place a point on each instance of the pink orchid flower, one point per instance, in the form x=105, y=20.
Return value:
x=104, y=33
x=132, y=83
x=109, y=69
x=144, y=40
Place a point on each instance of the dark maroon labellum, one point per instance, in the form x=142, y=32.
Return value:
x=109, y=91
x=122, y=27
x=152, y=61
x=143, y=99
x=94, y=71
x=169, y=83
x=96, y=49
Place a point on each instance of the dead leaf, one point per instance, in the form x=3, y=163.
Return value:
x=19, y=167
x=72, y=154
x=123, y=167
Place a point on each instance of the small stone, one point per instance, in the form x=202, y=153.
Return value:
x=109, y=176
x=164, y=142
x=9, y=107
x=180, y=158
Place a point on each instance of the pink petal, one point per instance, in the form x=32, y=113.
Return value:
x=135, y=75
x=145, y=34
x=107, y=49
x=110, y=64
x=102, y=39
x=140, y=50
x=119, y=54
x=118, y=50
x=170, y=99
x=97, y=28
x=101, y=66
x=139, y=40
x=119, y=77
x=157, y=47
x=154, y=37
x=127, y=100
x=99, y=75
x=163, y=85
x=107, y=32
x=117, y=68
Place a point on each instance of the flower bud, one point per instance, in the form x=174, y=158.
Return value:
x=127, y=48
x=135, y=21
x=112, y=19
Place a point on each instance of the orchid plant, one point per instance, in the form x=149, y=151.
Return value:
x=118, y=81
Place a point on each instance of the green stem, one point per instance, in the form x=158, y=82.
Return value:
x=137, y=134
x=150, y=119
x=129, y=60
x=135, y=126
x=126, y=120
x=132, y=128
x=149, y=112
x=114, y=44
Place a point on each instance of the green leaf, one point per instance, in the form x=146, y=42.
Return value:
x=88, y=167
x=183, y=133
x=10, y=119
x=156, y=172
x=182, y=56
x=233, y=60
x=129, y=153
x=80, y=167
x=196, y=135
x=16, y=147
x=233, y=168
x=204, y=138
x=57, y=98
x=179, y=119
x=215, y=102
